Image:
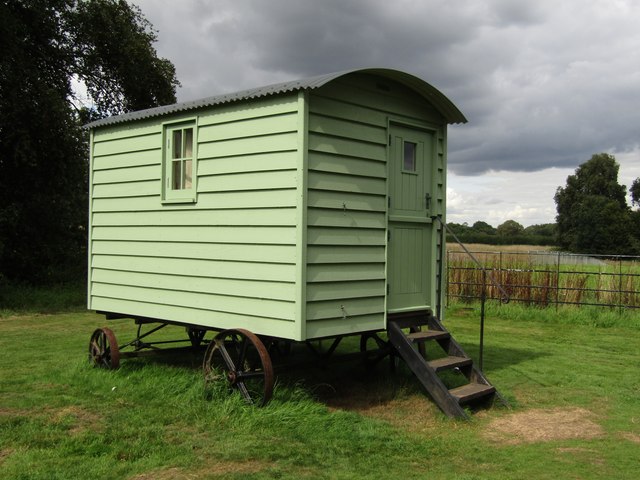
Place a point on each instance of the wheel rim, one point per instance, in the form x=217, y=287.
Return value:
x=103, y=349
x=241, y=359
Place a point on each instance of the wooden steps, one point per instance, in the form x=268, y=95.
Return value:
x=449, y=363
x=471, y=391
x=428, y=335
x=423, y=328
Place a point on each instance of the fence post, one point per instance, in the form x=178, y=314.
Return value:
x=501, y=277
x=483, y=297
x=558, y=282
x=448, y=279
x=620, y=286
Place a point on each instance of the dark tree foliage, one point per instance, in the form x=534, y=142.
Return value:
x=509, y=233
x=543, y=229
x=43, y=153
x=635, y=192
x=120, y=69
x=484, y=227
x=510, y=228
x=593, y=215
x=459, y=228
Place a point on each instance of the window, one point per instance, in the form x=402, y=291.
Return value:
x=179, y=162
x=409, y=163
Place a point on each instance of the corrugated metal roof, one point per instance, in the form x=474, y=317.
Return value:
x=448, y=110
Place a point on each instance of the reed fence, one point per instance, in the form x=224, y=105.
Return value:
x=546, y=278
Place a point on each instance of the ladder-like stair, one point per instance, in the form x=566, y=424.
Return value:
x=423, y=328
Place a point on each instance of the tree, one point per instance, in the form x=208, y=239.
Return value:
x=43, y=152
x=542, y=230
x=510, y=228
x=483, y=227
x=635, y=192
x=458, y=228
x=593, y=216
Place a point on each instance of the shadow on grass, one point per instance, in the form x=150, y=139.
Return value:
x=498, y=357
x=342, y=381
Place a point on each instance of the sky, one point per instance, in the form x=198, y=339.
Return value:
x=544, y=84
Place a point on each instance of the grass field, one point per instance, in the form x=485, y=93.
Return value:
x=574, y=391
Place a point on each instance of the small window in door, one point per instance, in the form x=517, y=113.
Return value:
x=409, y=163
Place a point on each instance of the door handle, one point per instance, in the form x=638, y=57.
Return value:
x=427, y=201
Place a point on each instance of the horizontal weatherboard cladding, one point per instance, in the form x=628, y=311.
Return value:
x=347, y=199
x=228, y=256
x=214, y=319
x=222, y=286
x=254, y=306
x=347, y=325
x=196, y=267
x=286, y=233
x=231, y=200
x=199, y=250
x=118, y=146
x=241, y=235
x=186, y=218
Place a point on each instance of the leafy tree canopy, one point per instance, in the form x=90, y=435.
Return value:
x=108, y=45
x=593, y=215
x=543, y=229
x=635, y=192
x=484, y=227
x=509, y=228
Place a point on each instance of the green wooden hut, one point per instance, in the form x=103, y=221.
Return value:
x=292, y=212
x=299, y=210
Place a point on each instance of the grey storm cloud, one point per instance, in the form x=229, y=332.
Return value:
x=543, y=83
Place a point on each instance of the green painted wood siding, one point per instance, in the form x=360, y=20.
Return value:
x=288, y=233
x=226, y=261
x=347, y=199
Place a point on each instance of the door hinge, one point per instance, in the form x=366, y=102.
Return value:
x=388, y=289
x=389, y=201
x=388, y=235
x=389, y=140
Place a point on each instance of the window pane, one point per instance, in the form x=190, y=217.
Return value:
x=188, y=143
x=176, y=176
x=176, y=151
x=409, y=156
x=188, y=167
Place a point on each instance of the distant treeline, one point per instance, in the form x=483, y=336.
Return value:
x=508, y=233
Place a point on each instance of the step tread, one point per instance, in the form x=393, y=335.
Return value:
x=449, y=362
x=471, y=391
x=428, y=335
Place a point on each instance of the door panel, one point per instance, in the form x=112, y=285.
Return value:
x=409, y=254
x=408, y=280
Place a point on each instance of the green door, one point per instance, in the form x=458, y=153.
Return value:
x=411, y=262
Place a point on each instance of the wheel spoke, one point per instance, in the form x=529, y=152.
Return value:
x=247, y=375
x=245, y=392
x=246, y=363
x=103, y=349
x=243, y=354
x=228, y=361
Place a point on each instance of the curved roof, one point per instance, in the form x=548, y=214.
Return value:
x=446, y=108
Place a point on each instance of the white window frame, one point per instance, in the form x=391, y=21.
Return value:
x=169, y=193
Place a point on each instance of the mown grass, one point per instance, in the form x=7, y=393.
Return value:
x=59, y=418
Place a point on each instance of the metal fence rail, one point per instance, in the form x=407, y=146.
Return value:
x=547, y=278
